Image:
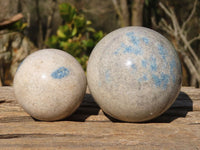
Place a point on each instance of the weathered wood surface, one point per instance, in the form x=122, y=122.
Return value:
x=13, y=19
x=89, y=128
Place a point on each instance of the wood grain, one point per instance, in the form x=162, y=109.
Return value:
x=13, y=19
x=90, y=128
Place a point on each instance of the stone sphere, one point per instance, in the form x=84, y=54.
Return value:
x=134, y=74
x=50, y=84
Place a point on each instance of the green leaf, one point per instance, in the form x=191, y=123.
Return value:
x=64, y=45
x=24, y=25
x=61, y=34
x=88, y=43
x=146, y=2
x=66, y=30
x=90, y=29
x=17, y=26
x=98, y=36
x=53, y=42
x=74, y=31
x=88, y=22
x=75, y=36
x=67, y=12
x=79, y=21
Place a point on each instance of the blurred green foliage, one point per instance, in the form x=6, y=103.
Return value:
x=75, y=36
x=18, y=26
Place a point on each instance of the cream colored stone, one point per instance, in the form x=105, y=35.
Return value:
x=50, y=84
x=134, y=74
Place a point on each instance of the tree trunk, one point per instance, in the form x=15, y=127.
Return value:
x=137, y=12
x=125, y=13
x=40, y=40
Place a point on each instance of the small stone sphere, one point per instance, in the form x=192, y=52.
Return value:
x=50, y=84
x=134, y=74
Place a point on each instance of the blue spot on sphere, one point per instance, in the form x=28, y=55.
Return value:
x=145, y=40
x=172, y=67
x=133, y=38
x=117, y=51
x=162, y=51
x=134, y=67
x=143, y=78
x=144, y=63
x=60, y=73
x=161, y=81
x=153, y=64
x=130, y=49
x=107, y=75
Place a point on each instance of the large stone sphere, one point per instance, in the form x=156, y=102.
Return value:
x=134, y=74
x=50, y=84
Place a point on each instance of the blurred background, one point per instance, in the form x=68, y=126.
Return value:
x=76, y=26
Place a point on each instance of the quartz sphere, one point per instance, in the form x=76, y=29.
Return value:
x=134, y=74
x=49, y=84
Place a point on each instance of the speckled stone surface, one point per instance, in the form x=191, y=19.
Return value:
x=50, y=84
x=134, y=74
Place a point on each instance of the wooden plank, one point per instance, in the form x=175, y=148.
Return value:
x=89, y=128
x=94, y=135
x=183, y=107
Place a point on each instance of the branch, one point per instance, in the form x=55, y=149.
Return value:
x=172, y=16
x=165, y=9
x=4, y=55
x=194, y=39
x=191, y=67
x=190, y=49
x=190, y=58
x=178, y=31
x=116, y=5
x=175, y=22
x=166, y=27
x=190, y=16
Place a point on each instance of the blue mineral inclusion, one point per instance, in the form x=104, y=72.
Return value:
x=161, y=81
x=144, y=63
x=134, y=47
x=133, y=38
x=162, y=51
x=127, y=49
x=117, y=51
x=134, y=67
x=107, y=76
x=60, y=73
x=143, y=78
x=130, y=49
x=172, y=67
x=153, y=64
x=145, y=40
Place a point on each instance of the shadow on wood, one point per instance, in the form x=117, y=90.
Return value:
x=90, y=111
x=179, y=109
x=87, y=108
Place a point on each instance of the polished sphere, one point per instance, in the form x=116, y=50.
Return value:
x=134, y=74
x=50, y=84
